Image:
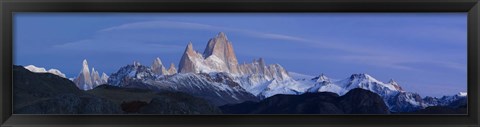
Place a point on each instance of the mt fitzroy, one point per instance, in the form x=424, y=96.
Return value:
x=217, y=57
x=257, y=78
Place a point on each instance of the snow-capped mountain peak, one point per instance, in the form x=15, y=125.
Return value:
x=391, y=81
x=321, y=78
x=85, y=63
x=135, y=63
x=217, y=69
x=363, y=76
x=35, y=69
x=158, y=61
x=395, y=84
x=367, y=81
x=462, y=94
x=104, y=77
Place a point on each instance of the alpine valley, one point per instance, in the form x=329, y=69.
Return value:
x=214, y=82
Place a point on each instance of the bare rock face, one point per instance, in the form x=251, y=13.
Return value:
x=219, y=56
x=158, y=67
x=222, y=49
x=96, y=80
x=191, y=60
x=172, y=70
x=258, y=67
x=83, y=80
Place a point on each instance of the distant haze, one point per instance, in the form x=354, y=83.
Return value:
x=423, y=52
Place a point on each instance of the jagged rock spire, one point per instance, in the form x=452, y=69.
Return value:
x=188, y=58
x=86, y=80
x=189, y=47
x=96, y=80
x=222, y=49
x=172, y=70
x=158, y=68
x=219, y=56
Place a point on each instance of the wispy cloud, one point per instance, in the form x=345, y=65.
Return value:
x=159, y=24
x=122, y=46
x=378, y=60
x=283, y=37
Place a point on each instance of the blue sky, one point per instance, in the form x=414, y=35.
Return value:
x=423, y=52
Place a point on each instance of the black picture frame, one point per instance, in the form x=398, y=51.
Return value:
x=9, y=7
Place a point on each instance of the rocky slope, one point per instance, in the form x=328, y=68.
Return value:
x=457, y=107
x=141, y=101
x=444, y=100
x=217, y=88
x=159, y=69
x=45, y=93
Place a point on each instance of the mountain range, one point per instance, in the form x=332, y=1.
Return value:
x=216, y=76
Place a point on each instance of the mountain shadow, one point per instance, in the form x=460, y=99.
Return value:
x=356, y=101
x=142, y=101
x=45, y=93
x=456, y=107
